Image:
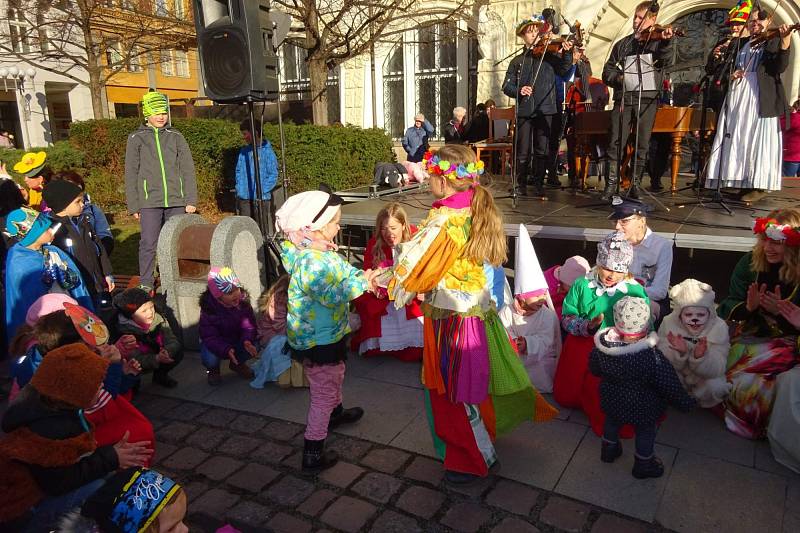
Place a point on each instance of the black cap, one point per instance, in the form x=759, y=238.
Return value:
x=58, y=194
x=625, y=207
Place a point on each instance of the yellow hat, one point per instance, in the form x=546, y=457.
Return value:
x=740, y=12
x=31, y=164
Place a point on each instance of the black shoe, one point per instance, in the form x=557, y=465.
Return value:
x=656, y=186
x=646, y=468
x=460, y=478
x=610, y=451
x=163, y=379
x=609, y=190
x=538, y=189
x=315, y=458
x=554, y=183
x=522, y=190
x=340, y=416
x=633, y=192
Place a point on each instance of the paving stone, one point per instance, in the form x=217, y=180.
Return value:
x=420, y=501
x=564, y=514
x=515, y=525
x=513, y=497
x=219, y=467
x=185, y=459
x=239, y=445
x=220, y=418
x=609, y=523
x=348, y=514
x=156, y=406
x=271, y=452
x=472, y=490
x=341, y=474
x=284, y=523
x=176, y=432
x=294, y=461
x=425, y=470
x=194, y=489
x=386, y=460
x=207, y=438
x=250, y=513
x=393, y=522
x=290, y=491
x=215, y=502
x=163, y=450
x=186, y=411
x=248, y=423
x=467, y=517
x=348, y=448
x=377, y=487
x=281, y=430
x=253, y=477
x=317, y=502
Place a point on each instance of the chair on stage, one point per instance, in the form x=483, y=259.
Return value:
x=497, y=142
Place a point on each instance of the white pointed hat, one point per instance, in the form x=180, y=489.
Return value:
x=528, y=276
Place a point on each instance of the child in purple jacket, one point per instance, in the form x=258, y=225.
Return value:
x=227, y=326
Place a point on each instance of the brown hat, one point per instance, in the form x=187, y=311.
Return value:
x=71, y=374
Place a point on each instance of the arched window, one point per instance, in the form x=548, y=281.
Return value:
x=394, y=93
x=435, y=74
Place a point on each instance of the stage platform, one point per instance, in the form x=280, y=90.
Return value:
x=581, y=216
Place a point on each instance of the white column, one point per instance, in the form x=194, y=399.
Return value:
x=462, y=66
x=80, y=103
x=380, y=60
x=342, y=96
x=410, y=51
x=366, y=109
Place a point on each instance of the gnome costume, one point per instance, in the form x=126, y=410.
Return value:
x=696, y=342
x=540, y=330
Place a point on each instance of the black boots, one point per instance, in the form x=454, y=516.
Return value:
x=340, y=416
x=610, y=451
x=645, y=468
x=612, y=181
x=315, y=458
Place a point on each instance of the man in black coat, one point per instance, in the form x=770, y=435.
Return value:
x=536, y=101
x=641, y=113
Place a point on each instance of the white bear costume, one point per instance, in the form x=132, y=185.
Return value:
x=703, y=377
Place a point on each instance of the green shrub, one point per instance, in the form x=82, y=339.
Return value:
x=60, y=156
x=342, y=157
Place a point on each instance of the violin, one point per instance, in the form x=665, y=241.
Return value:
x=769, y=34
x=656, y=32
x=554, y=45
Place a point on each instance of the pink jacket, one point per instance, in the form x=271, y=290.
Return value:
x=791, y=138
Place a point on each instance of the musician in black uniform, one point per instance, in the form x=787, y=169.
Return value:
x=536, y=102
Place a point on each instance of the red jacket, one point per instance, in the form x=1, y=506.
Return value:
x=791, y=137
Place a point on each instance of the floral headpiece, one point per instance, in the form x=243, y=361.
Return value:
x=535, y=19
x=777, y=232
x=439, y=167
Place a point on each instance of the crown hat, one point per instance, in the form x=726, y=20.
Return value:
x=27, y=225
x=740, y=12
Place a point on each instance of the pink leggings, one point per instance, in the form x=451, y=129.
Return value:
x=325, y=383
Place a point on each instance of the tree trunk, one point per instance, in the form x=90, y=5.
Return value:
x=318, y=74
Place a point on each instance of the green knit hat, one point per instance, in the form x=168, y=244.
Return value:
x=154, y=103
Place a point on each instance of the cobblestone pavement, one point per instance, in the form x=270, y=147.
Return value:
x=244, y=469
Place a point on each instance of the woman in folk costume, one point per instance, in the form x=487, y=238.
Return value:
x=589, y=306
x=529, y=316
x=747, y=148
x=476, y=386
x=764, y=339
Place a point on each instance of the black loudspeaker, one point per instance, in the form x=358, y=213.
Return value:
x=234, y=44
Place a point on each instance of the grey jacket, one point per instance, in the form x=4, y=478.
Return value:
x=159, y=171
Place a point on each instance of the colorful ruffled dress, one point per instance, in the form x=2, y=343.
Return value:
x=762, y=347
x=574, y=386
x=385, y=330
x=476, y=385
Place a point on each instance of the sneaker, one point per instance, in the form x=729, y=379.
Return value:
x=610, y=451
x=242, y=369
x=647, y=468
x=214, y=377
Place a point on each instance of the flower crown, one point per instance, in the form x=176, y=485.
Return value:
x=439, y=167
x=777, y=232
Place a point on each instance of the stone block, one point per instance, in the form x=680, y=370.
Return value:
x=187, y=411
x=294, y=461
x=163, y=450
x=472, y=490
x=564, y=514
x=467, y=517
x=253, y=478
x=215, y=502
x=513, y=497
x=281, y=430
x=317, y=502
x=341, y=474
x=207, y=438
x=219, y=467
x=176, y=432
x=377, y=487
x=425, y=470
x=609, y=523
x=348, y=514
x=271, y=452
x=248, y=423
x=393, y=522
x=156, y=406
x=240, y=446
x=290, y=491
x=386, y=460
x=348, y=448
x=515, y=525
x=251, y=514
x=185, y=459
x=220, y=418
x=284, y=523
x=421, y=501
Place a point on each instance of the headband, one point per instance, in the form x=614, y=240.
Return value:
x=144, y=496
x=440, y=167
x=775, y=231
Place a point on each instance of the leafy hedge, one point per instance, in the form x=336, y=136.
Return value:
x=342, y=157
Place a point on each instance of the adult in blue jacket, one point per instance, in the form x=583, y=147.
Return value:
x=245, y=172
x=415, y=141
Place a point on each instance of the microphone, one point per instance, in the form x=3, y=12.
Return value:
x=654, y=7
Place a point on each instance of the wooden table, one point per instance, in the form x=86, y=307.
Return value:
x=677, y=121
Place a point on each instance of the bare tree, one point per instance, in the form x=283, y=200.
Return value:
x=92, y=41
x=337, y=30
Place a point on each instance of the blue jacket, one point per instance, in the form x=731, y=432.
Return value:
x=415, y=141
x=97, y=219
x=245, y=170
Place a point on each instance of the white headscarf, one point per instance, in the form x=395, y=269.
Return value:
x=306, y=212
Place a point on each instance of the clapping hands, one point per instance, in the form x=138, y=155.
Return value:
x=759, y=297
